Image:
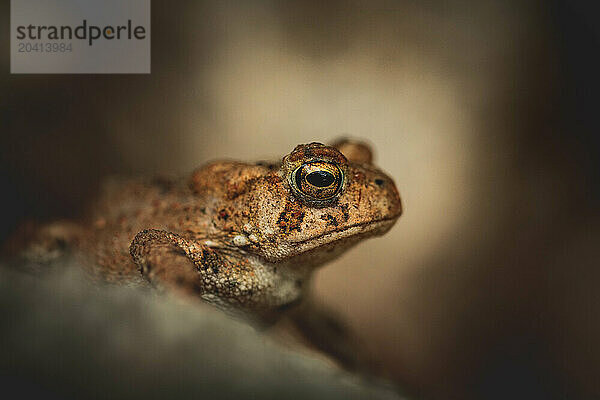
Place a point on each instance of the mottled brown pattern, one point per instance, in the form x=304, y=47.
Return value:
x=291, y=218
x=234, y=234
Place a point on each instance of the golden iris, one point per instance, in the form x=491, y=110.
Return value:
x=318, y=180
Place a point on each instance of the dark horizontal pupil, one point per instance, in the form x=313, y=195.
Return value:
x=320, y=178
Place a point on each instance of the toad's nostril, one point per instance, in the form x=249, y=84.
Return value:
x=379, y=182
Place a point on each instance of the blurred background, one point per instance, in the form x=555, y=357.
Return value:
x=484, y=113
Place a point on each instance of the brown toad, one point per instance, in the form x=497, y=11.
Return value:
x=247, y=235
x=243, y=236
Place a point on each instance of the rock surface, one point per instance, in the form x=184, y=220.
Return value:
x=61, y=336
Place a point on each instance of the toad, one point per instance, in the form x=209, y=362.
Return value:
x=245, y=237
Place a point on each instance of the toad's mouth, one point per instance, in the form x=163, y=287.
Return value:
x=372, y=227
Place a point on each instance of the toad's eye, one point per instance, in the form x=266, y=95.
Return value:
x=318, y=180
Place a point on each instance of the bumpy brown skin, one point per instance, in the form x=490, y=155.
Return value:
x=237, y=234
x=241, y=236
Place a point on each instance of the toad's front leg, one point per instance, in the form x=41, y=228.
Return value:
x=170, y=261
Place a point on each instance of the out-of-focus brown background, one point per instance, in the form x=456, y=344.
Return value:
x=485, y=114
